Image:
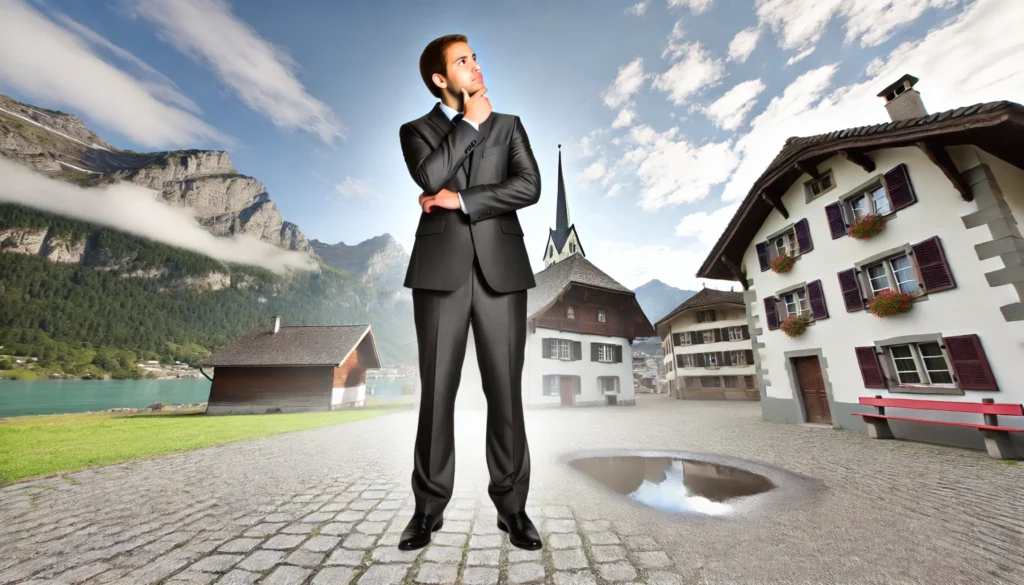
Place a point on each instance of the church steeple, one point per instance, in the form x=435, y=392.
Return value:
x=563, y=240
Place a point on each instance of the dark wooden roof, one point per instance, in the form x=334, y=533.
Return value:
x=704, y=298
x=301, y=345
x=559, y=276
x=997, y=127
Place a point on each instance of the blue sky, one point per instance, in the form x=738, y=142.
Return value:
x=667, y=110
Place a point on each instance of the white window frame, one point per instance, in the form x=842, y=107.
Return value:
x=800, y=300
x=602, y=316
x=870, y=196
x=810, y=185
x=702, y=316
x=735, y=334
x=689, y=360
x=605, y=353
x=920, y=368
x=685, y=338
x=891, y=281
x=570, y=312
x=706, y=334
x=711, y=360
x=784, y=243
x=739, y=357
x=557, y=345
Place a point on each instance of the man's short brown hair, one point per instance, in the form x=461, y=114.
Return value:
x=435, y=60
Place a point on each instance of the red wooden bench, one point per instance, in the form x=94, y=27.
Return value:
x=997, y=438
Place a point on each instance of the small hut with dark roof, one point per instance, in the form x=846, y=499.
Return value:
x=292, y=369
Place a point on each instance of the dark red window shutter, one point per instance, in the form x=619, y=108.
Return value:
x=898, y=187
x=746, y=332
x=594, y=348
x=771, y=313
x=851, y=290
x=618, y=353
x=720, y=358
x=817, y=300
x=545, y=349
x=716, y=335
x=696, y=337
x=762, y=255
x=679, y=360
x=803, y=236
x=869, y=368
x=969, y=363
x=750, y=357
x=724, y=333
x=836, y=223
x=931, y=262
x=577, y=350
x=698, y=360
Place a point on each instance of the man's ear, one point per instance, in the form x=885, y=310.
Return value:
x=439, y=80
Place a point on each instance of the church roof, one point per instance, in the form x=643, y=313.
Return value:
x=561, y=232
x=302, y=345
x=556, y=278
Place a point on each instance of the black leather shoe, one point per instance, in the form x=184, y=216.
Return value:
x=417, y=532
x=521, y=531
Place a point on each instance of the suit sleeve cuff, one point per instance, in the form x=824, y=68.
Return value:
x=462, y=205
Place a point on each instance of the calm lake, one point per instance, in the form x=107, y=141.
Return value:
x=20, y=398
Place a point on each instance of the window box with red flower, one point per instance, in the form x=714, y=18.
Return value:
x=867, y=226
x=783, y=263
x=795, y=325
x=888, y=303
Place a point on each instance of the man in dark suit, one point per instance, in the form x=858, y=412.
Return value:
x=469, y=266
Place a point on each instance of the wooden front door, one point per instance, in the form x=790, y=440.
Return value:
x=812, y=390
x=566, y=389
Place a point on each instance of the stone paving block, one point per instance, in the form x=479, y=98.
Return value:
x=485, y=541
x=182, y=578
x=264, y=529
x=455, y=526
x=303, y=498
x=443, y=554
x=437, y=574
x=517, y=555
x=664, y=578
x=562, y=541
x=350, y=516
x=597, y=525
x=575, y=578
x=318, y=517
x=605, y=554
x=392, y=554
x=333, y=507
x=362, y=504
x=286, y=575
x=384, y=575
x=627, y=528
x=305, y=558
x=389, y=539
x=557, y=512
x=240, y=545
x=238, y=577
x=371, y=527
x=351, y=558
x=620, y=571
x=390, y=505
x=279, y=517
x=463, y=504
x=487, y=558
x=603, y=538
x=333, y=576
x=360, y=541
x=283, y=541
x=216, y=563
x=569, y=559
x=641, y=542
x=479, y=576
x=83, y=573
x=336, y=528
x=379, y=515
x=525, y=572
x=558, y=525
x=653, y=560
x=372, y=495
x=321, y=543
x=299, y=528
x=261, y=560
x=448, y=539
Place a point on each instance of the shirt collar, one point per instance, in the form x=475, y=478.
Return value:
x=448, y=111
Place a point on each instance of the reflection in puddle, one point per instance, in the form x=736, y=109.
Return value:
x=675, y=485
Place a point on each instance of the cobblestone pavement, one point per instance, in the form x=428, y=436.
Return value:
x=325, y=506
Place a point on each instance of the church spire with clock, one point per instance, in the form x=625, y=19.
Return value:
x=563, y=241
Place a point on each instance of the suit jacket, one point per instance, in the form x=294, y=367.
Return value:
x=496, y=173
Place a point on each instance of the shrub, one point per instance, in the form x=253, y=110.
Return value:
x=783, y=263
x=888, y=303
x=867, y=226
x=795, y=325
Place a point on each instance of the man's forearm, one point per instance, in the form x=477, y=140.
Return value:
x=519, y=190
x=430, y=168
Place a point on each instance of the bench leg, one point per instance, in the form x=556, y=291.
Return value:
x=999, y=445
x=878, y=428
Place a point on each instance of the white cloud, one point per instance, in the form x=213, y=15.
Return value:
x=595, y=171
x=696, y=72
x=261, y=75
x=800, y=56
x=801, y=23
x=629, y=80
x=136, y=210
x=352, y=187
x=673, y=171
x=706, y=227
x=625, y=118
x=743, y=44
x=633, y=264
x=675, y=47
x=731, y=109
x=56, y=67
x=642, y=134
x=697, y=6
x=639, y=8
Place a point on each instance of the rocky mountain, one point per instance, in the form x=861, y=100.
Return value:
x=380, y=260
x=657, y=298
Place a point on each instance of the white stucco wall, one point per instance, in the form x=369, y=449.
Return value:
x=351, y=396
x=728, y=316
x=536, y=367
x=971, y=307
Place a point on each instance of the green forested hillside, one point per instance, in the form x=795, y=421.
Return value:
x=82, y=317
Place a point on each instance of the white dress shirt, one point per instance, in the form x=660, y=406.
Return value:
x=451, y=113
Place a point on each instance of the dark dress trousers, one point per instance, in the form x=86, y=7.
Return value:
x=471, y=269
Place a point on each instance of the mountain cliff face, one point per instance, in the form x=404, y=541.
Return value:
x=657, y=298
x=380, y=260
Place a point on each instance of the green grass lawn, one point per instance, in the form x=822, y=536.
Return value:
x=43, y=445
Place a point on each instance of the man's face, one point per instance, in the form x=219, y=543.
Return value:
x=463, y=70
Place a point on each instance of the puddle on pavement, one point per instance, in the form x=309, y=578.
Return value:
x=675, y=485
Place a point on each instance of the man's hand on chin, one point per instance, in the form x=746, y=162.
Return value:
x=444, y=198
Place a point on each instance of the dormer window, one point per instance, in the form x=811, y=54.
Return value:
x=813, y=189
x=570, y=312
x=601, y=316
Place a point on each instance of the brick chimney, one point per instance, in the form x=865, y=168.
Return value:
x=275, y=325
x=902, y=101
